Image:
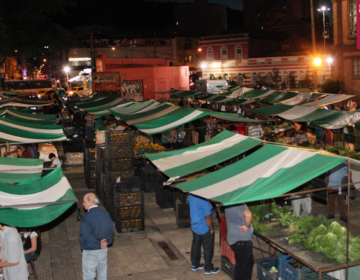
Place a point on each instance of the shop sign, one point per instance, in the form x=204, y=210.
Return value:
x=106, y=81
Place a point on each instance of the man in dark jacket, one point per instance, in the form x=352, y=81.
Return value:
x=96, y=232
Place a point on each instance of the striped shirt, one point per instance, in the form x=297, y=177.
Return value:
x=255, y=131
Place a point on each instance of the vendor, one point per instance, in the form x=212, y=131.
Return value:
x=328, y=137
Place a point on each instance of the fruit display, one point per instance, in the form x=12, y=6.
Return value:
x=143, y=148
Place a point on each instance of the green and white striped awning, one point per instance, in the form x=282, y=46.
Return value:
x=329, y=99
x=104, y=111
x=267, y=173
x=302, y=97
x=220, y=148
x=20, y=169
x=135, y=108
x=233, y=117
x=331, y=119
x=25, y=102
x=232, y=90
x=36, y=202
x=104, y=104
x=279, y=97
x=171, y=120
x=24, y=132
x=149, y=115
x=180, y=93
x=257, y=93
x=27, y=115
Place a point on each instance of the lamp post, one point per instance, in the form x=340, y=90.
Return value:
x=329, y=60
x=317, y=63
x=67, y=70
x=323, y=9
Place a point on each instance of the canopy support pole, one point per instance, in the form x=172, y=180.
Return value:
x=348, y=221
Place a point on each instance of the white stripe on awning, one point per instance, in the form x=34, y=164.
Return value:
x=297, y=112
x=38, y=130
x=154, y=116
x=13, y=138
x=155, y=104
x=285, y=159
x=20, y=169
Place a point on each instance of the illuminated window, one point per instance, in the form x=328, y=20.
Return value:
x=352, y=17
x=224, y=53
x=238, y=52
x=210, y=53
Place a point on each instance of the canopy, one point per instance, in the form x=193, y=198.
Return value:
x=331, y=119
x=103, y=111
x=302, y=98
x=182, y=93
x=87, y=101
x=16, y=131
x=267, y=173
x=235, y=89
x=257, y=93
x=222, y=147
x=135, y=108
x=279, y=97
x=104, y=104
x=233, y=117
x=329, y=99
x=30, y=116
x=169, y=121
x=29, y=121
x=25, y=102
x=20, y=169
x=152, y=114
x=36, y=202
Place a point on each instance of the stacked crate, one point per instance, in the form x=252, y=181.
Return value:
x=149, y=173
x=90, y=165
x=164, y=195
x=100, y=158
x=123, y=195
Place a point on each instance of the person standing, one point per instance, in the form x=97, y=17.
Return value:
x=255, y=131
x=328, y=137
x=239, y=237
x=13, y=260
x=301, y=204
x=96, y=232
x=203, y=233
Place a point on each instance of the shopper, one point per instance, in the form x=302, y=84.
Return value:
x=203, y=234
x=96, y=232
x=255, y=131
x=301, y=204
x=239, y=237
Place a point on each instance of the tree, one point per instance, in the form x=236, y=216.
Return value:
x=275, y=76
x=332, y=86
x=29, y=28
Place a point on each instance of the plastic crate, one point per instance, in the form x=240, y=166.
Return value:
x=227, y=267
x=124, y=151
x=164, y=196
x=130, y=185
x=120, y=164
x=134, y=225
x=116, y=138
x=129, y=199
x=223, y=228
x=287, y=271
x=312, y=275
x=92, y=184
x=129, y=212
x=111, y=176
x=263, y=269
x=226, y=251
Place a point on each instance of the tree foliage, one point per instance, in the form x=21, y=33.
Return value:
x=27, y=26
x=332, y=86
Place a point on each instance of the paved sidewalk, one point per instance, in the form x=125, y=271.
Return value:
x=133, y=255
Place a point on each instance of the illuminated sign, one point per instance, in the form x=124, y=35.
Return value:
x=79, y=58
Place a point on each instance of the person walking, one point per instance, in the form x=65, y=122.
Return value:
x=203, y=233
x=239, y=237
x=96, y=232
x=13, y=260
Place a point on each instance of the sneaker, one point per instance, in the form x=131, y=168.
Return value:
x=213, y=271
x=194, y=268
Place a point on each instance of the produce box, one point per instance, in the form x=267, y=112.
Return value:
x=129, y=212
x=135, y=225
x=119, y=164
x=124, y=151
x=111, y=176
x=263, y=269
x=130, y=185
x=116, y=138
x=312, y=275
x=129, y=199
x=74, y=158
x=227, y=267
x=289, y=272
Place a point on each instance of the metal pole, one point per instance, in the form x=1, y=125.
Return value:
x=348, y=221
x=313, y=43
x=324, y=32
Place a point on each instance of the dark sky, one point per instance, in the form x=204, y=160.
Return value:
x=233, y=4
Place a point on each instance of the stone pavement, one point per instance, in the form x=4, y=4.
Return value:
x=133, y=255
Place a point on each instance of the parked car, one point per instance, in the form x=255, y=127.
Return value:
x=78, y=90
x=43, y=94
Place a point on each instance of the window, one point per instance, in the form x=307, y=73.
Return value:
x=352, y=17
x=238, y=52
x=210, y=54
x=356, y=66
x=302, y=75
x=224, y=53
x=188, y=46
x=188, y=58
x=254, y=78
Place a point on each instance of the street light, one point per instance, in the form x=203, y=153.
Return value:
x=323, y=9
x=67, y=70
x=203, y=65
x=317, y=62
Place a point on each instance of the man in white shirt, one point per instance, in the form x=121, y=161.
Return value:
x=55, y=161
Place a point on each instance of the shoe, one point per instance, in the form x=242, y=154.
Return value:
x=213, y=271
x=194, y=268
x=330, y=216
x=343, y=218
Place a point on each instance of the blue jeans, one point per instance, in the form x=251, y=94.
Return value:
x=207, y=240
x=92, y=261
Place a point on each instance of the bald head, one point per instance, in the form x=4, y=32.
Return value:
x=89, y=200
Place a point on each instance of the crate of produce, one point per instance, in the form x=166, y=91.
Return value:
x=90, y=153
x=312, y=275
x=123, y=151
x=226, y=251
x=119, y=164
x=227, y=267
x=111, y=176
x=92, y=184
x=130, y=185
x=129, y=199
x=129, y=212
x=91, y=164
x=133, y=225
x=117, y=138
x=287, y=269
x=263, y=269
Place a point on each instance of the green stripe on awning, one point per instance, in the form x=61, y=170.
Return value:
x=220, y=148
x=267, y=173
x=281, y=96
x=234, y=117
x=29, y=115
x=20, y=169
x=134, y=108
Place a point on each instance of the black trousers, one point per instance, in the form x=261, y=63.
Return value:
x=207, y=240
x=244, y=260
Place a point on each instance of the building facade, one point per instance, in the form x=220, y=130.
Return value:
x=247, y=60
x=345, y=52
